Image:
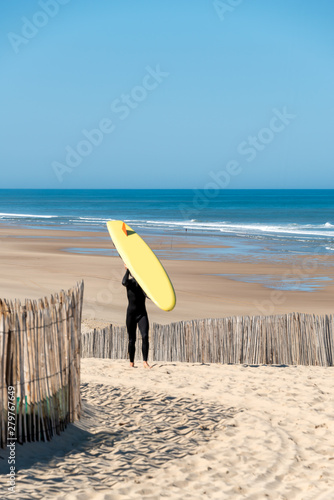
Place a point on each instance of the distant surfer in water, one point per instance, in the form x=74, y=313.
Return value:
x=136, y=315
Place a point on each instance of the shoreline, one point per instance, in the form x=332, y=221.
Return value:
x=209, y=245
x=33, y=264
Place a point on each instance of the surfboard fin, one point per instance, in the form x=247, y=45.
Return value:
x=124, y=229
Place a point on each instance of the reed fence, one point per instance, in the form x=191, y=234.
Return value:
x=291, y=339
x=40, y=365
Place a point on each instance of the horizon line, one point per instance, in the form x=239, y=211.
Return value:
x=165, y=189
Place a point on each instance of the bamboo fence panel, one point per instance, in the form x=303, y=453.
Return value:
x=40, y=343
x=3, y=368
x=290, y=339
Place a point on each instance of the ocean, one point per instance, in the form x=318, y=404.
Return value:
x=252, y=223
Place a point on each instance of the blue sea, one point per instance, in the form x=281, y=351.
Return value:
x=252, y=223
x=242, y=225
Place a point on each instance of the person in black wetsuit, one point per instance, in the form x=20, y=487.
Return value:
x=136, y=315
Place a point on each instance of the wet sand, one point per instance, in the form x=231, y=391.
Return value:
x=33, y=263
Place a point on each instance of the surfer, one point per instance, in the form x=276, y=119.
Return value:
x=136, y=315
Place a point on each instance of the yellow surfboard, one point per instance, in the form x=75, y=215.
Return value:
x=143, y=264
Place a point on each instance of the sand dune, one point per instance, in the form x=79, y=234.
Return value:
x=190, y=431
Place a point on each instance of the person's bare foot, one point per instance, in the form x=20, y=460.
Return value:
x=132, y=365
x=146, y=365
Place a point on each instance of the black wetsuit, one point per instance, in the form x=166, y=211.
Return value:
x=136, y=315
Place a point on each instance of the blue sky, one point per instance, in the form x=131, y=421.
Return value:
x=165, y=94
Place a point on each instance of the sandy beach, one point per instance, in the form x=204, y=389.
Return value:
x=178, y=430
x=189, y=431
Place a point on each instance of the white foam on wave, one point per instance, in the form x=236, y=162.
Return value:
x=251, y=228
x=296, y=230
x=31, y=216
x=255, y=230
x=93, y=219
